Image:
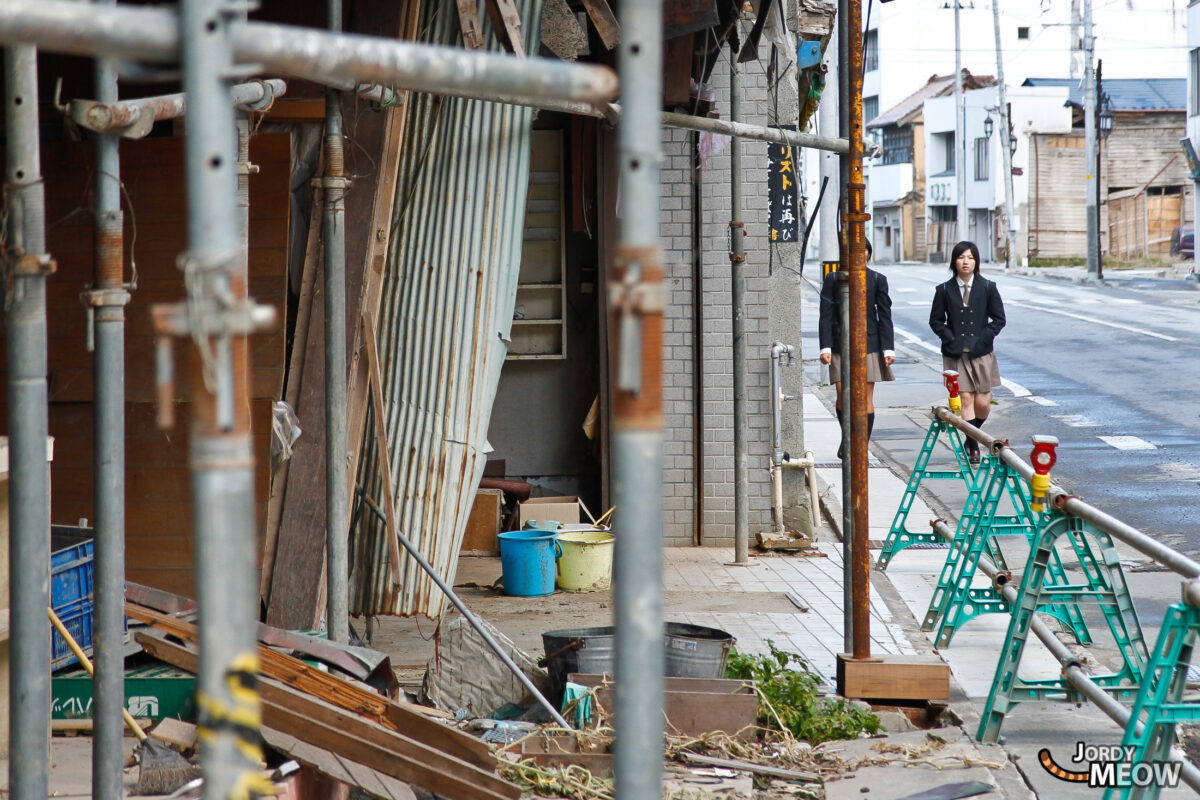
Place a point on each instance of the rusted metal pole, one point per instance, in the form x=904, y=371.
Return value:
x=856, y=218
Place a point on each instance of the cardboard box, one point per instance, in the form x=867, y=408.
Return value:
x=563, y=509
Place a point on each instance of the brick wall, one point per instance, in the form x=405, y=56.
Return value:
x=716, y=308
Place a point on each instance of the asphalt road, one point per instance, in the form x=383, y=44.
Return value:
x=1112, y=370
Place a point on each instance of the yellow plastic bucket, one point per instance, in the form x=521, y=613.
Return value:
x=586, y=561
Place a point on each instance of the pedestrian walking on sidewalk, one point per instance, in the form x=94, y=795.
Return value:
x=967, y=315
x=881, y=338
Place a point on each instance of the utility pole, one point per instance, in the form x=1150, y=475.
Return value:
x=960, y=129
x=827, y=124
x=1089, y=144
x=1076, y=40
x=1010, y=229
x=737, y=281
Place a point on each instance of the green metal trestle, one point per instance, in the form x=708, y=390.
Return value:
x=955, y=602
x=1160, y=704
x=900, y=537
x=1105, y=584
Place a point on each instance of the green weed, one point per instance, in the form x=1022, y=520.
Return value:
x=790, y=698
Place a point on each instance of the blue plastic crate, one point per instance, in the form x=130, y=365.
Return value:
x=71, y=573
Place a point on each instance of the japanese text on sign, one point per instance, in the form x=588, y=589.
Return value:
x=782, y=195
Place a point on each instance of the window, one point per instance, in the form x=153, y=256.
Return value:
x=943, y=213
x=871, y=50
x=870, y=109
x=897, y=145
x=981, y=159
x=1022, y=32
x=1194, y=82
x=950, y=146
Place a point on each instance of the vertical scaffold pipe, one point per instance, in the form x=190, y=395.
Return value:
x=221, y=452
x=843, y=110
x=106, y=306
x=638, y=296
x=29, y=475
x=856, y=218
x=737, y=281
x=336, y=488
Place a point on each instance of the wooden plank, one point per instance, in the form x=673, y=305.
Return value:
x=894, y=678
x=747, y=766
x=732, y=708
x=312, y=257
x=605, y=21
x=703, y=685
x=351, y=697
x=332, y=766
x=175, y=732
x=468, y=23
x=484, y=523
x=506, y=22
x=560, y=31
x=297, y=597
x=677, y=76
x=384, y=458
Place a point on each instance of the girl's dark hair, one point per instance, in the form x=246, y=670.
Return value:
x=961, y=248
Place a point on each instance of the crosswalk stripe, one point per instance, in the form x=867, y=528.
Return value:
x=1127, y=442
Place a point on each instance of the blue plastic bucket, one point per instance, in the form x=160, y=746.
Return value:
x=527, y=559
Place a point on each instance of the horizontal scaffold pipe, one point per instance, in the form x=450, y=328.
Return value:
x=152, y=34
x=1073, y=672
x=1069, y=504
x=121, y=114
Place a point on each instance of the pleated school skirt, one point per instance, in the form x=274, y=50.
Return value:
x=980, y=374
x=876, y=370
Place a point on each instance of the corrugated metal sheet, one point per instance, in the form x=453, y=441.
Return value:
x=1128, y=94
x=447, y=311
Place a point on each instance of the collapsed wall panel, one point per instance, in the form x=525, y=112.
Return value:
x=446, y=315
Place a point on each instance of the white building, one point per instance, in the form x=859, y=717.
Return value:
x=1193, y=102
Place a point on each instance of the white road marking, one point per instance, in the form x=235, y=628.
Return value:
x=1041, y=401
x=1076, y=421
x=1127, y=442
x=907, y=290
x=917, y=303
x=912, y=338
x=1017, y=389
x=1095, y=321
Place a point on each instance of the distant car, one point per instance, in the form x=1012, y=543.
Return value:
x=1183, y=241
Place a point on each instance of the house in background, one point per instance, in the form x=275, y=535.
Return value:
x=897, y=179
x=1145, y=184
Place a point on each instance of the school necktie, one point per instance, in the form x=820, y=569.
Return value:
x=966, y=294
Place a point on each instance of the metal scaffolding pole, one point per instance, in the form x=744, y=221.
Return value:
x=636, y=302
x=29, y=476
x=216, y=317
x=333, y=233
x=133, y=119
x=106, y=312
x=856, y=249
x=1006, y=132
x=737, y=281
x=152, y=34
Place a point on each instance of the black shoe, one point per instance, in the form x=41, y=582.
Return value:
x=973, y=457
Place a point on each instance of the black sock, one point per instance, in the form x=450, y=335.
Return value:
x=870, y=424
x=841, y=451
x=973, y=445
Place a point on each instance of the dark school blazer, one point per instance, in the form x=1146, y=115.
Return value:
x=972, y=327
x=880, y=333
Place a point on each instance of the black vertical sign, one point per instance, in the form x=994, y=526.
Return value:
x=781, y=192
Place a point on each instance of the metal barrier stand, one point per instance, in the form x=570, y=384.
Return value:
x=954, y=601
x=1106, y=585
x=900, y=537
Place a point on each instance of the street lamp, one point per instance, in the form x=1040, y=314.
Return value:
x=1012, y=145
x=1106, y=116
x=988, y=127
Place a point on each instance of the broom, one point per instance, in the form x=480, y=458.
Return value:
x=162, y=770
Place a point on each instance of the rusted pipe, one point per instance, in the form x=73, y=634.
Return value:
x=856, y=218
x=134, y=118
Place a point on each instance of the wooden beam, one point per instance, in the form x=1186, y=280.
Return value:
x=605, y=21
x=506, y=21
x=324, y=725
x=339, y=769
x=384, y=453
x=343, y=694
x=468, y=23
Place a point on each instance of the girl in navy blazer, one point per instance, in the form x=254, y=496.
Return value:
x=967, y=314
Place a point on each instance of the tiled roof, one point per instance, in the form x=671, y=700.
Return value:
x=936, y=86
x=1128, y=94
